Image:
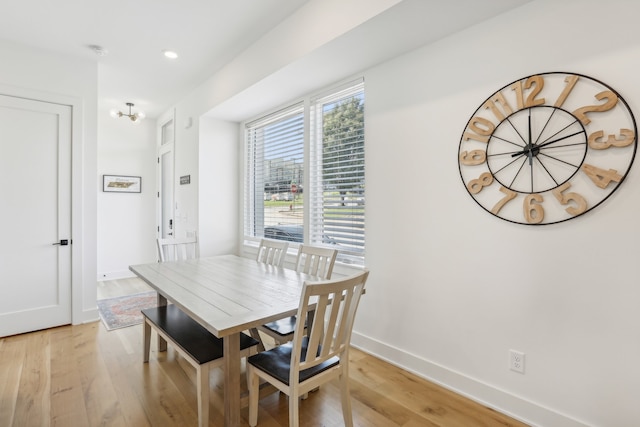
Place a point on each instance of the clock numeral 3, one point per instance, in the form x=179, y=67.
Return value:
x=628, y=137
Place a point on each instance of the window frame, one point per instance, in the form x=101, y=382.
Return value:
x=248, y=204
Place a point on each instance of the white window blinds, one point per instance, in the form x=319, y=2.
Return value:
x=337, y=182
x=275, y=176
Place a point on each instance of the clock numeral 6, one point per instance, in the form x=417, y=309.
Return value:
x=565, y=198
x=533, y=210
x=476, y=185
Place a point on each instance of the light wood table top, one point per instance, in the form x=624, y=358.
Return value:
x=227, y=294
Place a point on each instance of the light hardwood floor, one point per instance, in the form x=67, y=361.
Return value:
x=86, y=376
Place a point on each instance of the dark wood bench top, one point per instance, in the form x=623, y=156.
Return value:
x=189, y=335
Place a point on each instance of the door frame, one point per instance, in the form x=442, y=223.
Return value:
x=161, y=149
x=78, y=182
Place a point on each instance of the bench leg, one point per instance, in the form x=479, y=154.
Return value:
x=146, y=342
x=162, y=344
x=202, y=380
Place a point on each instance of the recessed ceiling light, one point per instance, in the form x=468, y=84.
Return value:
x=170, y=54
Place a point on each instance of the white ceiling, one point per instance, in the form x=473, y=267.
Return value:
x=209, y=33
x=205, y=33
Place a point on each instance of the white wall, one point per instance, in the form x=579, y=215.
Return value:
x=219, y=187
x=25, y=71
x=461, y=287
x=457, y=286
x=126, y=221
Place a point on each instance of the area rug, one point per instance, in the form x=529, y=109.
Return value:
x=121, y=312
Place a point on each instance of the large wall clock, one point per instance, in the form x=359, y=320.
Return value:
x=547, y=148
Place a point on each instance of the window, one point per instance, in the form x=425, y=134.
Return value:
x=306, y=184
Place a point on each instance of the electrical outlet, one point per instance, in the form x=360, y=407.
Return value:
x=516, y=361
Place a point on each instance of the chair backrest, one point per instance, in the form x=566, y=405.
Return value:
x=178, y=249
x=316, y=261
x=272, y=252
x=329, y=334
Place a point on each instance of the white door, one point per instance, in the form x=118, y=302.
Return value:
x=165, y=163
x=35, y=193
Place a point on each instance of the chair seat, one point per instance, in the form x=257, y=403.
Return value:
x=283, y=327
x=189, y=335
x=277, y=362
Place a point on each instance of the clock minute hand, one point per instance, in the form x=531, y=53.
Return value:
x=559, y=139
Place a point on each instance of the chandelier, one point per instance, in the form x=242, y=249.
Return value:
x=134, y=117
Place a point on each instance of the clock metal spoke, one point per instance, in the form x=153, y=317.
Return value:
x=506, y=166
x=517, y=173
x=516, y=129
x=545, y=126
x=560, y=160
x=547, y=170
x=507, y=141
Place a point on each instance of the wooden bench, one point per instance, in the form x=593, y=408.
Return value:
x=198, y=346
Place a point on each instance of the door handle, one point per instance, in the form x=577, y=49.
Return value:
x=63, y=242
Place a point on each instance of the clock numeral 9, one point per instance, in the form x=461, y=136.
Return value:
x=473, y=157
x=565, y=198
x=476, y=185
x=628, y=137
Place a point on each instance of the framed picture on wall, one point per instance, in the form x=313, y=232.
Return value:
x=121, y=184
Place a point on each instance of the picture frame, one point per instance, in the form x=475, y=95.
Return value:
x=121, y=184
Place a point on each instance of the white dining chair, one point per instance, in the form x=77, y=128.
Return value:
x=307, y=362
x=312, y=260
x=178, y=249
x=272, y=252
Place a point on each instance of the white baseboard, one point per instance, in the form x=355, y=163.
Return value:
x=89, y=316
x=487, y=395
x=112, y=275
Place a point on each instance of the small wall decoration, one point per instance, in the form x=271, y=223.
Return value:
x=121, y=184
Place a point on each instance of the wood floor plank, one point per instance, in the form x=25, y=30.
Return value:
x=101, y=399
x=85, y=375
x=67, y=396
x=33, y=402
x=12, y=354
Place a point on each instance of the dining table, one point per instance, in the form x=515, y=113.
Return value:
x=226, y=294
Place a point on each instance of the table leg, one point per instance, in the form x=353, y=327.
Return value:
x=231, y=351
x=162, y=344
